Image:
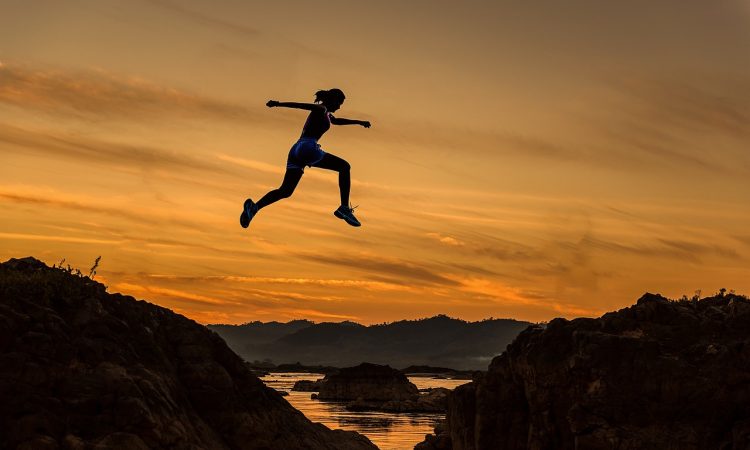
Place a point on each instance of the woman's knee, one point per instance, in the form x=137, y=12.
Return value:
x=345, y=166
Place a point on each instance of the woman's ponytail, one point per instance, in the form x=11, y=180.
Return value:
x=332, y=94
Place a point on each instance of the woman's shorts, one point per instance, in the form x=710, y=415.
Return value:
x=304, y=152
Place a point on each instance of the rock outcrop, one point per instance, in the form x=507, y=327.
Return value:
x=432, y=401
x=658, y=375
x=369, y=382
x=81, y=368
x=370, y=387
x=307, y=385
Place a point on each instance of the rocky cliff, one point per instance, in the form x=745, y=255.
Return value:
x=81, y=368
x=658, y=375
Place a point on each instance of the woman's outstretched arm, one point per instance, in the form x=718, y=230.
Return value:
x=307, y=106
x=342, y=121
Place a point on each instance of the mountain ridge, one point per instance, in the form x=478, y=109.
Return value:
x=436, y=341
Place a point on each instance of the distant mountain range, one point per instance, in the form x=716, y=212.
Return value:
x=435, y=341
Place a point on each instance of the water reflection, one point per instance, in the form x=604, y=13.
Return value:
x=389, y=431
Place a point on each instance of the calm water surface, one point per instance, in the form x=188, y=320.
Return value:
x=386, y=430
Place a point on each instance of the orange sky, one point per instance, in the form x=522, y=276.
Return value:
x=527, y=159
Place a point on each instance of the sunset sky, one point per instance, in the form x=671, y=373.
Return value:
x=527, y=159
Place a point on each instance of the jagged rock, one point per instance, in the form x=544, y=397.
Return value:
x=307, y=385
x=434, y=400
x=433, y=442
x=368, y=382
x=658, y=375
x=440, y=440
x=80, y=368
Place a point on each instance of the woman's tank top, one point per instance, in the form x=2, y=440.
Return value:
x=317, y=123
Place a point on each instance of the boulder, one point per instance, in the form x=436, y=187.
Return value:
x=432, y=401
x=369, y=382
x=307, y=385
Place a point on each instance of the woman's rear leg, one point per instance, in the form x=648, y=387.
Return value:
x=250, y=208
x=288, y=185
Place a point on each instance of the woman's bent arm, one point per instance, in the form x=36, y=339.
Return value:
x=342, y=121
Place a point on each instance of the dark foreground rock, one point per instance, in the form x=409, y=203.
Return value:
x=658, y=375
x=80, y=369
x=368, y=382
x=439, y=441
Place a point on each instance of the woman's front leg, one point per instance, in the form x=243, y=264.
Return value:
x=333, y=162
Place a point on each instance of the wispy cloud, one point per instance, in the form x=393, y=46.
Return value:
x=485, y=143
x=645, y=123
x=369, y=285
x=42, y=237
x=298, y=313
x=97, y=93
x=245, y=32
x=472, y=268
x=88, y=150
x=177, y=294
x=688, y=247
x=387, y=267
x=664, y=248
x=206, y=19
x=681, y=121
x=252, y=164
x=516, y=298
x=446, y=240
x=60, y=201
x=712, y=104
x=488, y=246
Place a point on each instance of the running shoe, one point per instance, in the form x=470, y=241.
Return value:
x=249, y=209
x=347, y=213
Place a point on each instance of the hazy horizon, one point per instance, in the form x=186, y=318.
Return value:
x=368, y=325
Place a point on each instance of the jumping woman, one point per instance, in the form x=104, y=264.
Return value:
x=307, y=152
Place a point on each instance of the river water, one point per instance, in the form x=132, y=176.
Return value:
x=389, y=431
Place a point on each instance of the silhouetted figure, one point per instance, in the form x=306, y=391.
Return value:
x=307, y=152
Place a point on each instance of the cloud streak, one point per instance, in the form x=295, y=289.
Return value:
x=385, y=268
x=90, y=207
x=360, y=284
x=99, y=93
x=682, y=120
x=89, y=150
x=205, y=19
x=664, y=248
